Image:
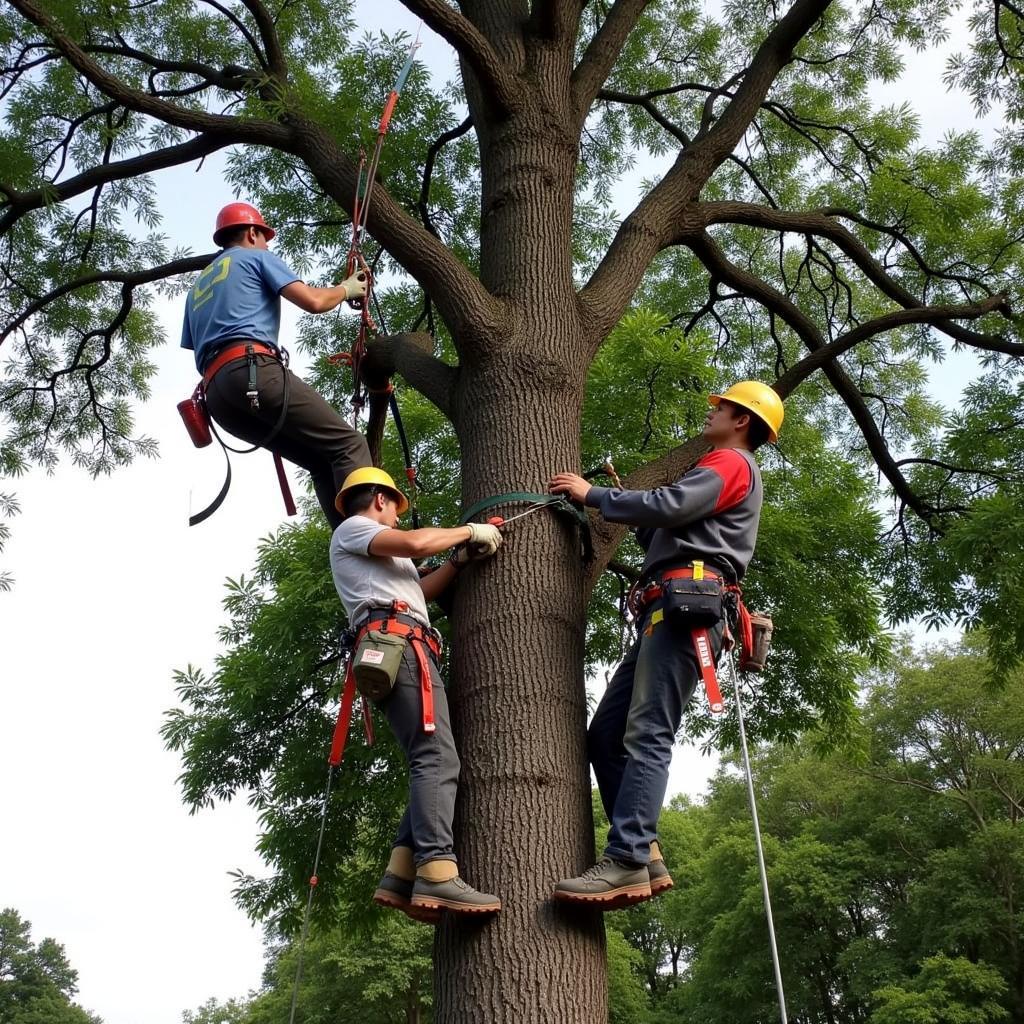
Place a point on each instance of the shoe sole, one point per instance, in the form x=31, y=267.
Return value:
x=388, y=899
x=662, y=885
x=624, y=896
x=431, y=903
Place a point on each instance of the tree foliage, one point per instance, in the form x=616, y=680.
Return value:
x=37, y=984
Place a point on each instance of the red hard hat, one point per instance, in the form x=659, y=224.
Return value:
x=235, y=215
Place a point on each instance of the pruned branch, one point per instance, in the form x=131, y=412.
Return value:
x=473, y=46
x=602, y=52
x=411, y=357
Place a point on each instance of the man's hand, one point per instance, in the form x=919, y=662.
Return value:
x=484, y=540
x=569, y=484
x=356, y=286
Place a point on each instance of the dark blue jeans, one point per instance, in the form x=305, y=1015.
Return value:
x=632, y=733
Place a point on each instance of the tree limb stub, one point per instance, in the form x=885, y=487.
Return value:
x=472, y=45
x=411, y=357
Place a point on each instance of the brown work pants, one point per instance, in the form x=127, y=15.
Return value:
x=313, y=434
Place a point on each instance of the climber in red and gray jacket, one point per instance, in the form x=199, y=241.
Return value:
x=703, y=527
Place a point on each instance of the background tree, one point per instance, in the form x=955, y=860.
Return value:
x=796, y=229
x=37, y=984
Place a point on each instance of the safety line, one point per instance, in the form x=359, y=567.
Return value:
x=757, y=836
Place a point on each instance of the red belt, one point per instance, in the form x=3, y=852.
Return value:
x=422, y=639
x=701, y=640
x=233, y=352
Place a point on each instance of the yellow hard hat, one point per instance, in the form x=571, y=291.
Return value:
x=759, y=399
x=370, y=475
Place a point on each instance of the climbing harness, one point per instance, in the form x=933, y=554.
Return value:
x=426, y=643
x=766, y=895
x=557, y=503
x=201, y=430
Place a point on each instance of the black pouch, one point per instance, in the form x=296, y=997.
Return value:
x=693, y=603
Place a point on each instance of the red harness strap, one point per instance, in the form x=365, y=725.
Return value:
x=422, y=641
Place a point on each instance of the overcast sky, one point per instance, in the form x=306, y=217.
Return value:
x=113, y=592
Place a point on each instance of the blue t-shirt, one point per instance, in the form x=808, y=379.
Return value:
x=235, y=297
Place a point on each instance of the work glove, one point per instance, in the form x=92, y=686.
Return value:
x=484, y=540
x=356, y=286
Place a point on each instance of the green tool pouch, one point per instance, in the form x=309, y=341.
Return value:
x=693, y=603
x=376, y=661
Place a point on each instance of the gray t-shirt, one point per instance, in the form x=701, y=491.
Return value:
x=366, y=581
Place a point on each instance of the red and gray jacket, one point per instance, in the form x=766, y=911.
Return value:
x=711, y=514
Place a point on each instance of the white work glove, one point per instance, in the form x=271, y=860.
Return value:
x=356, y=286
x=484, y=540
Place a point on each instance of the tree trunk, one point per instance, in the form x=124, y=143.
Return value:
x=519, y=705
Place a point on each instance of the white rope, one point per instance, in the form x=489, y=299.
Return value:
x=757, y=836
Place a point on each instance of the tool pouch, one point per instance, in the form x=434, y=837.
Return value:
x=375, y=664
x=754, y=659
x=693, y=603
x=196, y=418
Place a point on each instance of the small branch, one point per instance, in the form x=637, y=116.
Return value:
x=130, y=279
x=428, y=170
x=798, y=373
x=277, y=65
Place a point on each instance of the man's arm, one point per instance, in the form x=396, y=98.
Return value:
x=435, y=583
x=430, y=540
x=323, y=300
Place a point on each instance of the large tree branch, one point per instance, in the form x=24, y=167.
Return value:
x=494, y=76
x=721, y=268
x=233, y=129
x=20, y=203
x=608, y=536
x=276, y=62
x=798, y=373
x=555, y=20
x=411, y=357
x=823, y=224
x=129, y=278
x=666, y=212
x=602, y=52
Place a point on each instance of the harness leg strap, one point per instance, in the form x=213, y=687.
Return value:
x=426, y=686
x=706, y=661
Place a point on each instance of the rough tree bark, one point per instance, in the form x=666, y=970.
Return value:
x=525, y=335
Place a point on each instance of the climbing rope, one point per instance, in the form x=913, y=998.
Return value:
x=536, y=503
x=313, y=878
x=776, y=966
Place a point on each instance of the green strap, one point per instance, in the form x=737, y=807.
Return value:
x=557, y=502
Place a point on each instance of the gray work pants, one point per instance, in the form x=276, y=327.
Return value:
x=426, y=825
x=313, y=434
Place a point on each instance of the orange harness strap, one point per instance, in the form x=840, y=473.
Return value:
x=422, y=641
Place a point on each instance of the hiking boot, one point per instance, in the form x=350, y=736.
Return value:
x=609, y=884
x=396, y=894
x=454, y=895
x=661, y=880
